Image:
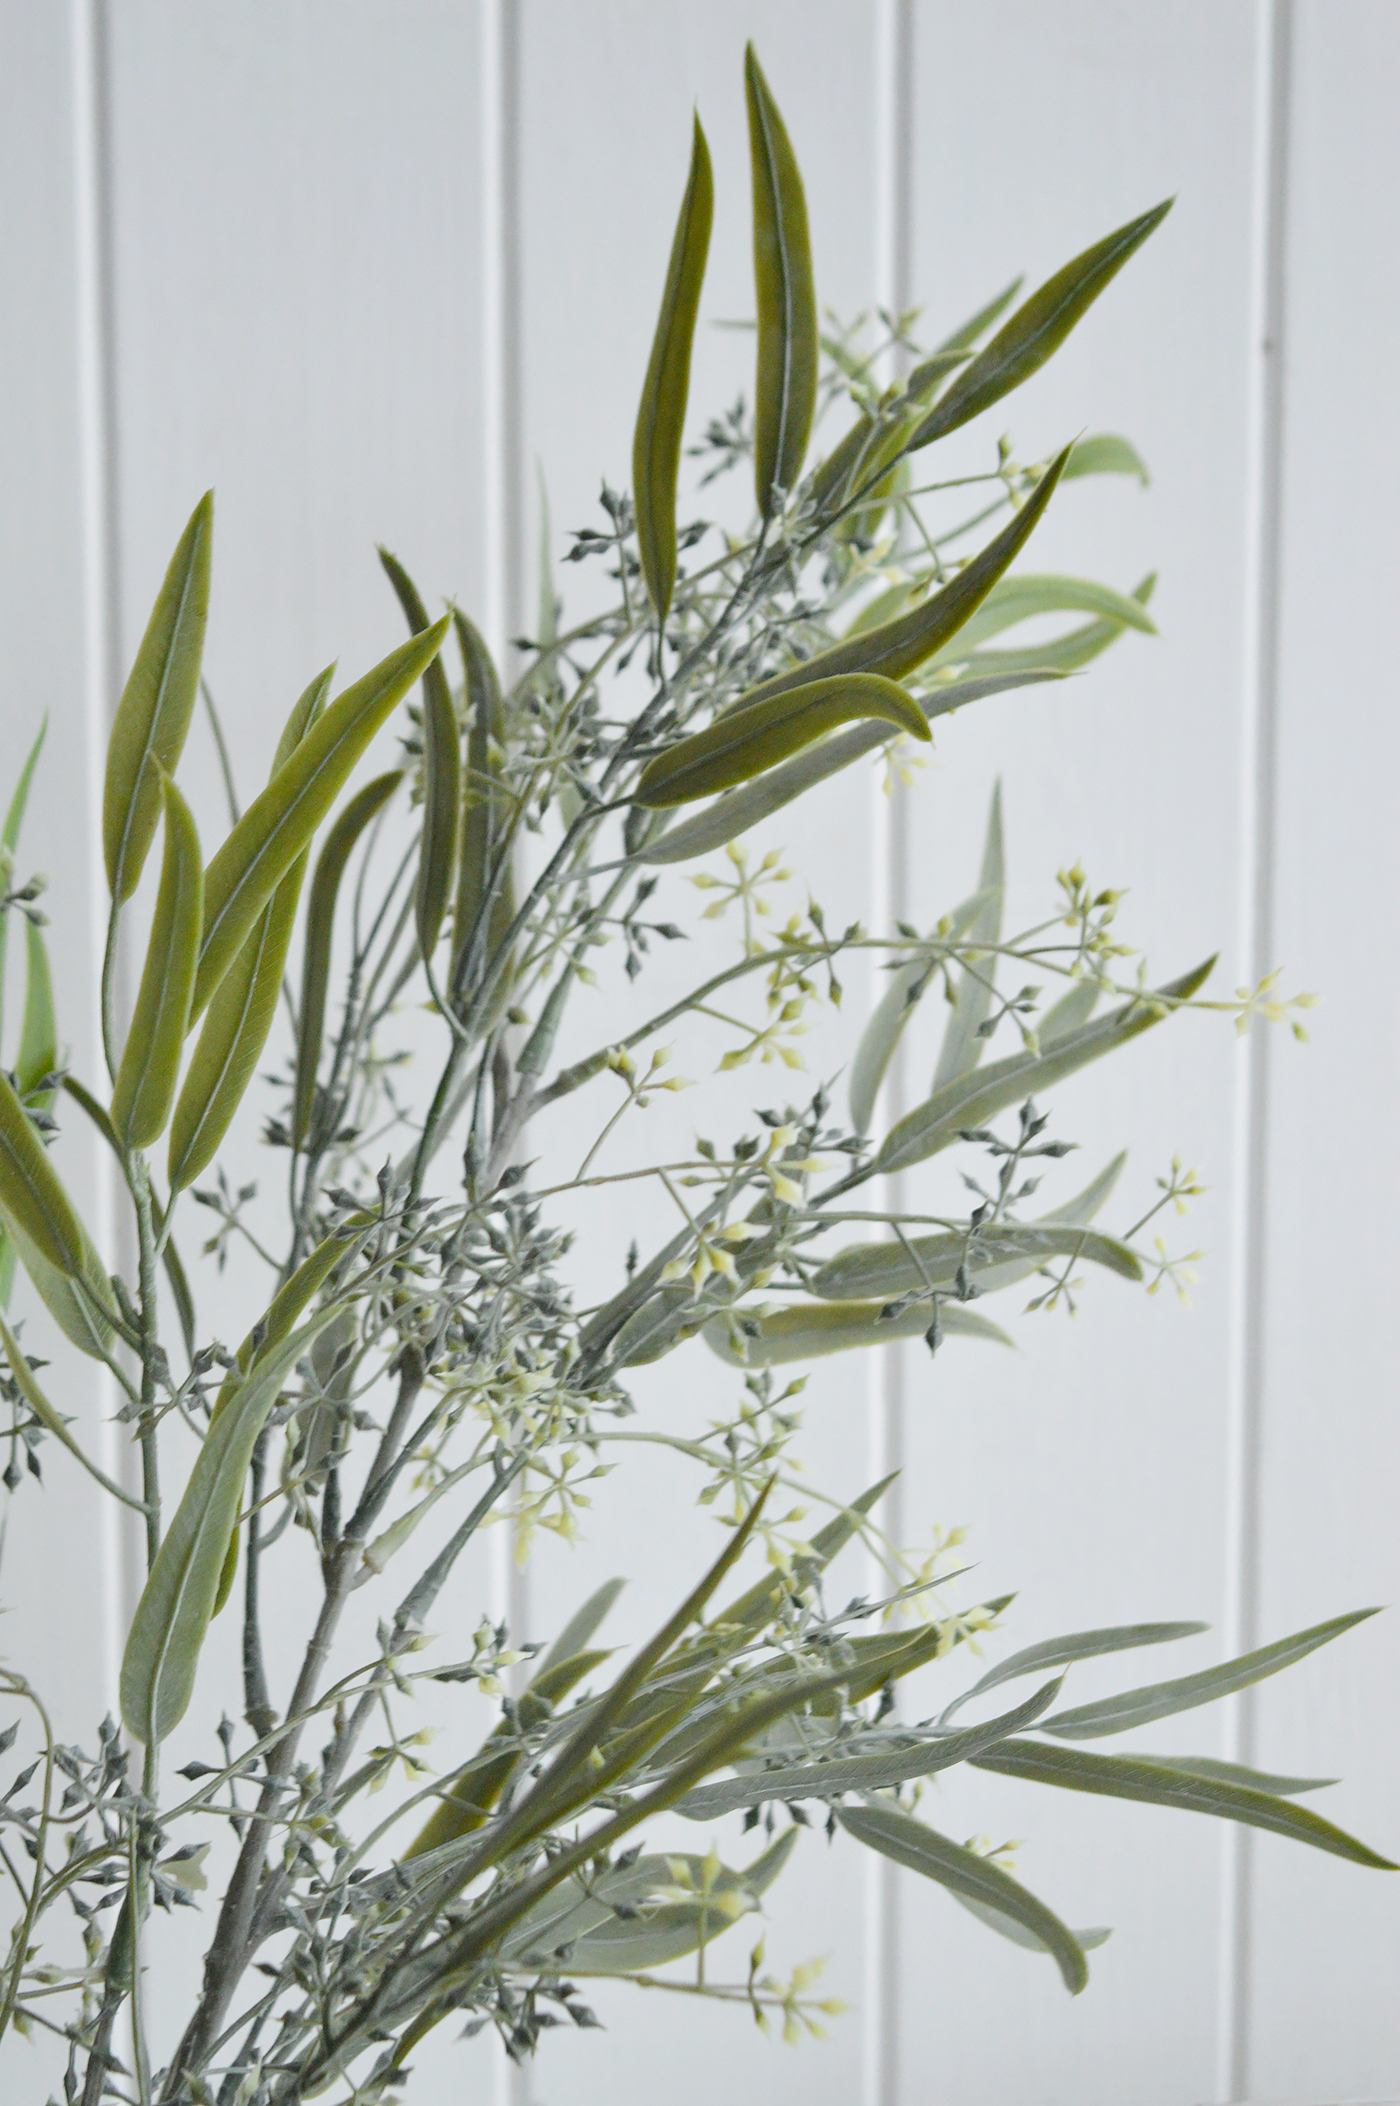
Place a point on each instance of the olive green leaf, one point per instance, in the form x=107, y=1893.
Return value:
x=1106, y=453
x=734, y=813
x=31, y=1192
x=898, y=1835
x=241, y=1011
x=1036, y=330
x=1078, y=1645
x=9, y=837
x=170, y=1256
x=482, y=802
x=79, y=1302
x=1061, y=654
x=1023, y=595
x=153, y=716
x=785, y=389
x=320, y=927
x=905, y=1267
x=897, y=647
x=973, y=1099
x=150, y=1066
x=45, y=1413
x=978, y=324
x=963, y=1039
x=877, y=439
x=907, y=986
x=281, y=820
x=38, y=1038
x=746, y=742
x=1237, y=1773
x=1139, y=1707
x=1155, y=1783
x=442, y=773
x=172, y=1616
x=656, y=445
x=810, y=1330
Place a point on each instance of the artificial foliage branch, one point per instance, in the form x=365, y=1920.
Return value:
x=423, y=1367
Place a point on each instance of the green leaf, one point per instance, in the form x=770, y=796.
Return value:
x=150, y=1066
x=656, y=444
x=170, y=1257
x=153, y=716
x=900, y=1764
x=9, y=838
x=44, y=1411
x=287, y=1304
x=738, y=810
x=485, y=868
x=320, y=928
x=746, y=742
x=172, y=1616
x=244, y=1004
x=1037, y=329
x=79, y=1302
x=978, y=324
x=280, y=822
x=1087, y=1940
x=1122, y=1777
x=974, y=1099
x=38, y=1038
x=1056, y=654
x=1075, y=1213
x=1079, y=1645
x=1073, y=1010
x=898, y=1835
x=963, y=1043
x=865, y=1270
x=755, y=1608
x=1025, y=595
x=1139, y=1707
x=1237, y=1773
x=906, y=989
x=32, y=1193
x=442, y=773
x=582, y=1624
x=785, y=387
x=810, y=1330
x=1105, y=453
x=895, y=648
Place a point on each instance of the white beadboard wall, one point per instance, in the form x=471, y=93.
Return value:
x=360, y=264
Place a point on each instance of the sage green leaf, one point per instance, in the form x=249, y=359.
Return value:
x=172, y=1616
x=755, y=1608
x=1037, y=329
x=1026, y=594
x=485, y=870
x=281, y=820
x=1074, y=1009
x=1059, y=654
x=963, y=1041
x=909, y=1758
x=897, y=647
x=38, y=1038
x=31, y=1191
x=974, y=1099
x=1106, y=453
x=320, y=929
x=865, y=1270
x=856, y=469
x=738, y=810
x=1079, y=1645
x=287, y=1305
x=1122, y=1777
x=906, y=989
x=785, y=388
x=153, y=716
x=170, y=1256
x=244, y=1004
x=1139, y=1707
x=746, y=742
x=978, y=324
x=810, y=1330
x=582, y=1624
x=79, y=1303
x=1075, y=1213
x=898, y=1835
x=9, y=838
x=1237, y=1773
x=656, y=444
x=1087, y=1940
x=150, y=1065
x=45, y=1413
x=442, y=774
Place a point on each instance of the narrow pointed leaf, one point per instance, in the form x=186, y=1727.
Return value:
x=172, y=1616
x=150, y=1066
x=865, y=1270
x=582, y=1625
x=907, y=986
x=483, y=818
x=1121, y=1777
x=1027, y=594
x=811, y=1330
x=974, y=1099
x=963, y=1044
x=38, y=1038
x=1036, y=329
x=1056, y=654
x=442, y=773
x=9, y=838
x=1106, y=453
x=320, y=928
x=656, y=444
x=153, y=716
x=31, y=1191
x=978, y=324
x=1139, y=1707
x=1087, y=1940
x=170, y=1256
x=78, y=1301
x=1073, y=1010
x=747, y=742
x=1237, y=1773
x=754, y=1609
x=897, y=647
x=1079, y=1645
x=738, y=810
x=785, y=390
x=44, y=1411
x=1075, y=1213
x=280, y=822
x=898, y=1835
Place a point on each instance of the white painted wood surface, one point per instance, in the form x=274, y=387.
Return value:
x=359, y=264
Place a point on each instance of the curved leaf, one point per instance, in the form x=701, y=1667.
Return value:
x=1121, y=1777
x=172, y=1616
x=44, y=1411
x=963, y=1042
x=1037, y=329
x=9, y=838
x=1079, y=1645
x=810, y=1330
x=442, y=773
x=785, y=388
x=1087, y=1940
x=170, y=1257
x=279, y=823
x=738, y=810
x=79, y=1303
x=150, y=1065
x=1073, y=1010
x=746, y=742
x=973, y=1099
x=38, y=1038
x=656, y=444
x=1237, y=1773
x=320, y=928
x=153, y=716
x=887, y=1269
x=1025, y=594
x=978, y=324
x=1106, y=453
x=31, y=1191
x=898, y=1835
